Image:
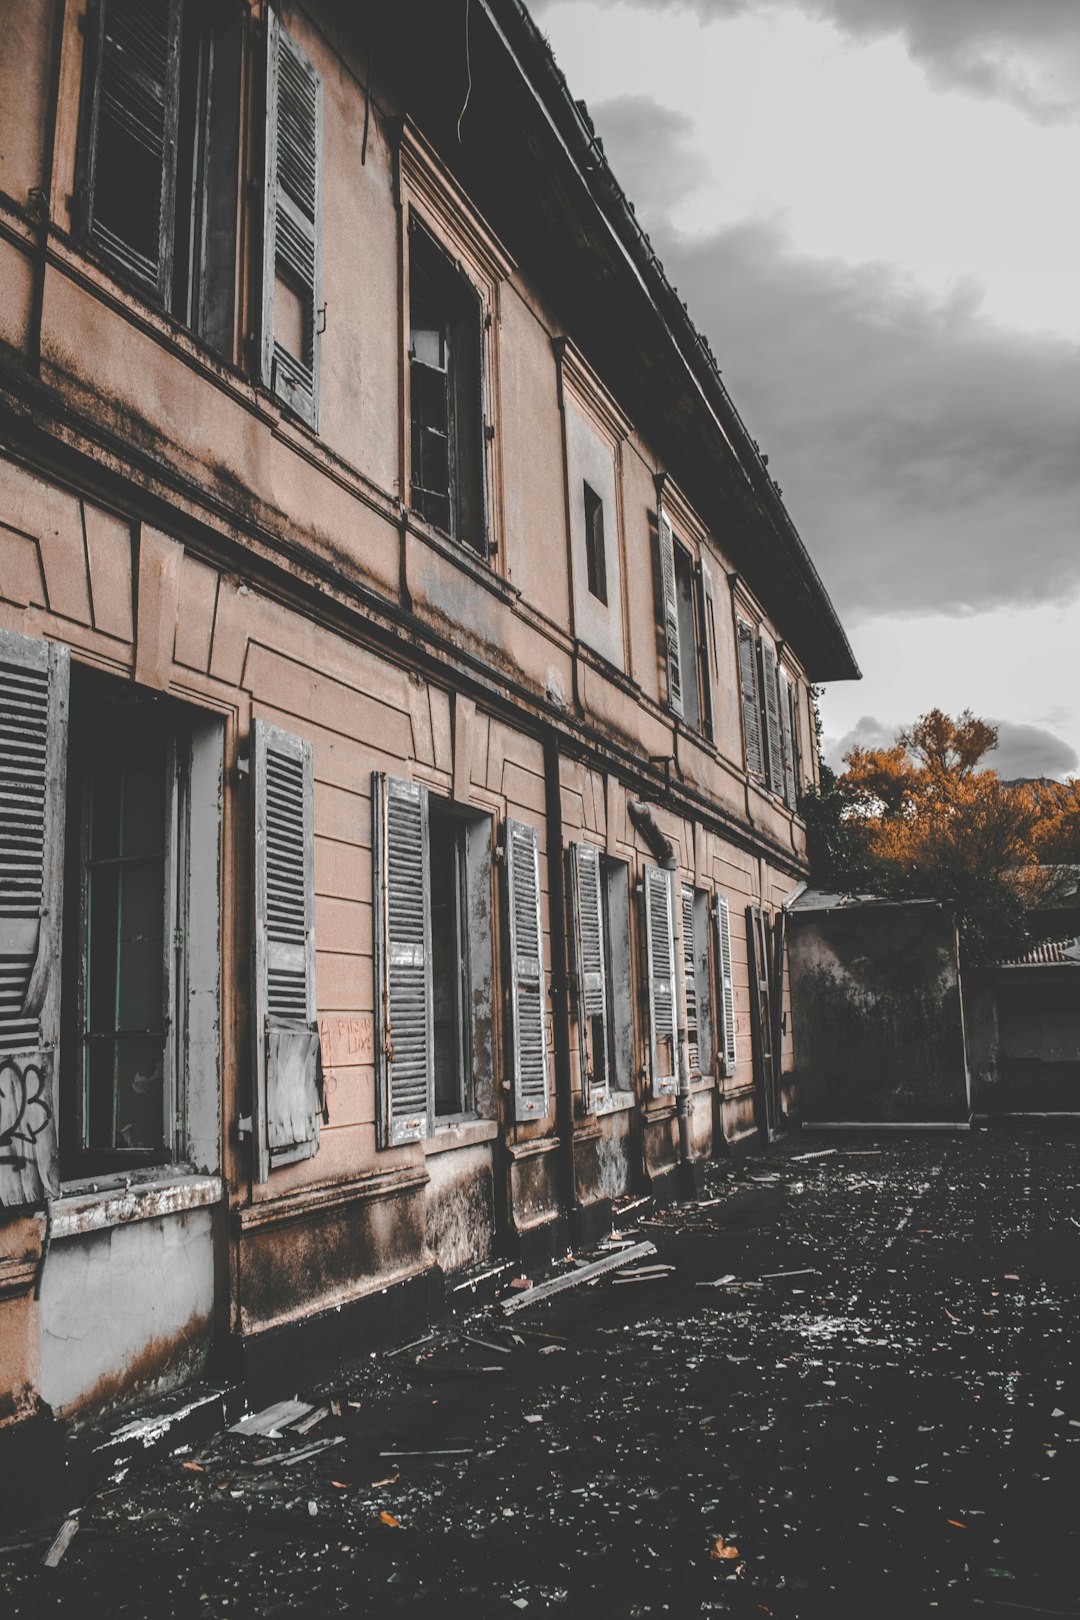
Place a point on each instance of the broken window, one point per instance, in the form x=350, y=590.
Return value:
x=604, y=997
x=595, y=556
x=688, y=637
x=446, y=392
x=159, y=153
x=697, y=981
x=690, y=630
x=434, y=961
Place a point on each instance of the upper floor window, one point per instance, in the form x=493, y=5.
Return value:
x=690, y=630
x=159, y=153
x=595, y=555
x=770, y=709
x=446, y=393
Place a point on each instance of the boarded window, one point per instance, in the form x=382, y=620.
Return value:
x=288, y=1078
x=291, y=245
x=660, y=981
x=751, y=709
x=159, y=153
x=670, y=609
x=446, y=394
x=528, y=1021
x=33, y=729
x=727, y=985
x=591, y=954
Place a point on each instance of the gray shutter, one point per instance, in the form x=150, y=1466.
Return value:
x=748, y=686
x=528, y=1024
x=590, y=959
x=788, y=733
x=34, y=679
x=403, y=1012
x=727, y=983
x=707, y=633
x=291, y=219
x=689, y=948
x=128, y=157
x=660, y=967
x=770, y=702
x=671, y=612
x=288, y=1078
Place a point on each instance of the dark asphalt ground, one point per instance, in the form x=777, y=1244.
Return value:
x=895, y=1432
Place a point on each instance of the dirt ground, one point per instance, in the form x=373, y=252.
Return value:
x=890, y=1429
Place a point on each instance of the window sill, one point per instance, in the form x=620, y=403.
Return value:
x=616, y=1102
x=459, y=552
x=461, y=1133
x=119, y=1200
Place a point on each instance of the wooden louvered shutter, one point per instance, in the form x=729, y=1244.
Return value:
x=33, y=770
x=288, y=1077
x=128, y=156
x=689, y=949
x=707, y=633
x=670, y=596
x=528, y=1023
x=788, y=733
x=660, y=967
x=404, y=1023
x=727, y=983
x=770, y=693
x=591, y=959
x=748, y=686
x=291, y=225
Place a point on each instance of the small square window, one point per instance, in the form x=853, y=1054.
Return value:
x=595, y=555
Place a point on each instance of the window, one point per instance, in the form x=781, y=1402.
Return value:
x=595, y=558
x=697, y=981
x=604, y=998
x=690, y=629
x=726, y=1041
x=446, y=383
x=770, y=714
x=660, y=981
x=159, y=153
x=433, y=960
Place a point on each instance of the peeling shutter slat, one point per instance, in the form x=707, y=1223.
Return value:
x=128, y=173
x=291, y=221
x=404, y=1016
x=288, y=1077
x=689, y=947
x=788, y=734
x=774, y=749
x=671, y=612
x=748, y=685
x=660, y=967
x=34, y=679
x=528, y=1020
x=727, y=983
x=591, y=960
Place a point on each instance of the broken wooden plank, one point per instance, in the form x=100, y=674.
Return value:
x=571, y=1279
x=62, y=1541
x=286, y=1459
x=272, y=1419
x=310, y=1422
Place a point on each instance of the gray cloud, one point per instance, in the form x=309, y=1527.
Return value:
x=1023, y=51
x=1022, y=750
x=928, y=458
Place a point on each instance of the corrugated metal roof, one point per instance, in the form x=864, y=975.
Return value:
x=1048, y=953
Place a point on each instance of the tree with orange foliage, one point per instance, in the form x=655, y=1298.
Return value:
x=921, y=818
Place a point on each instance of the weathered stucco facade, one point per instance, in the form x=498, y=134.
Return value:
x=378, y=522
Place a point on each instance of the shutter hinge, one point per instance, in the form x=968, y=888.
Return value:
x=489, y=431
x=178, y=939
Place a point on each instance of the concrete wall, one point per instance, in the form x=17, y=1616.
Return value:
x=1024, y=1036
x=877, y=1014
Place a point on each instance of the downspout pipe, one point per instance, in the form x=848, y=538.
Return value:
x=662, y=848
x=560, y=1004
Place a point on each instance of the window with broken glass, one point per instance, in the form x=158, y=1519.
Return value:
x=446, y=386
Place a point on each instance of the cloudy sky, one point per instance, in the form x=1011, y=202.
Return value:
x=872, y=209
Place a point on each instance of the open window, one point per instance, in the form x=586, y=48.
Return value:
x=697, y=981
x=603, y=985
x=446, y=393
x=689, y=612
x=433, y=961
x=159, y=153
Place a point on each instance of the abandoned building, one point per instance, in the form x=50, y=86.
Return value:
x=405, y=685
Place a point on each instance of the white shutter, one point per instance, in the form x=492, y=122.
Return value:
x=751, y=709
x=528, y=1024
x=671, y=612
x=689, y=949
x=291, y=222
x=288, y=1099
x=788, y=733
x=727, y=983
x=660, y=966
x=774, y=748
x=404, y=1028
x=33, y=749
x=591, y=959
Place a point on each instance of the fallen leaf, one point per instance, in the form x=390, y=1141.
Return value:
x=388, y=1518
x=720, y=1549
x=339, y=1484
x=959, y=1523
x=391, y=1479
x=196, y=1468
x=950, y=1315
